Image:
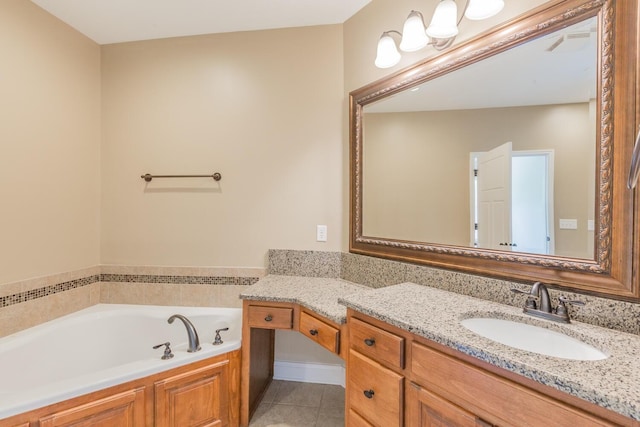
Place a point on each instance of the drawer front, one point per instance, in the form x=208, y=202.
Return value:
x=354, y=420
x=321, y=332
x=376, y=343
x=270, y=317
x=375, y=392
x=485, y=394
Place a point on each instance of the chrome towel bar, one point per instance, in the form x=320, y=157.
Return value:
x=148, y=177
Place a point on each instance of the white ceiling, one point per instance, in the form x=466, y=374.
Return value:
x=116, y=21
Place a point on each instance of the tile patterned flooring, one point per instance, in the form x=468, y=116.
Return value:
x=296, y=404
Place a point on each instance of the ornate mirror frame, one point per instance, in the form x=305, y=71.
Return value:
x=614, y=270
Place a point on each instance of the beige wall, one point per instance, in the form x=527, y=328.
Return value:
x=49, y=145
x=416, y=169
x=262, y=108
x=361, y=34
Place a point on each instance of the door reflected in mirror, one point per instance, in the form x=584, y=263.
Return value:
x=430, y=172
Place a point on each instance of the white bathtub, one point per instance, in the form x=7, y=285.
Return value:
x=101, y=346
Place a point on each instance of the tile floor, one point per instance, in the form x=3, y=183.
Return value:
x=295, y=404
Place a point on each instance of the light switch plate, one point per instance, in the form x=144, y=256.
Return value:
x=321, y=233
x=568, y=224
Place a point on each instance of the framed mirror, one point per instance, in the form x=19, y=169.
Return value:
x=507, y=155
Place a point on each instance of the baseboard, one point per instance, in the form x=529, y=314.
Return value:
x=309, y=372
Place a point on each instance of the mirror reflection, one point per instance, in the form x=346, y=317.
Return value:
x=500, y=154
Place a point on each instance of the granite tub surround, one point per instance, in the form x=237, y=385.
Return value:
x=612, y=383
x=317, y=294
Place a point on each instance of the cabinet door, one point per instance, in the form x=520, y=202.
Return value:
x=426, y=409
x=120, y=410
x=196, y=398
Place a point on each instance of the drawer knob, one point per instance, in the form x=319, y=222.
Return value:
x=369, y=341
x=269, y=318
x=313, y=332
x=369, y=394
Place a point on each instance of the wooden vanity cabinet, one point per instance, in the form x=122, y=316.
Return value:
x=443, y=387
x=375, y=381
x=260, y=321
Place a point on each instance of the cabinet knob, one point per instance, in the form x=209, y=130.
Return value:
x=369, y=394
x=269, y=318
x=369, y=341
x=313, y=332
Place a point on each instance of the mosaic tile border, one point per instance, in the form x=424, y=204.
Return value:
x=44, y=291
x=179, y=280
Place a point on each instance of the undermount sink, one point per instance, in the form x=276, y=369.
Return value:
x=533, y=338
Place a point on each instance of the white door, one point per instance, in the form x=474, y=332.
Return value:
x=494, y=198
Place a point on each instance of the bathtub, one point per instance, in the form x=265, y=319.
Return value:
x=101, y=346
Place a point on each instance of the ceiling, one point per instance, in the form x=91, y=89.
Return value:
x=117, y=21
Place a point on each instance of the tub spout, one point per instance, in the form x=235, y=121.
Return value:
x=194, y=341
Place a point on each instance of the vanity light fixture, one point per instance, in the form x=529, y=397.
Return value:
x=440, y=33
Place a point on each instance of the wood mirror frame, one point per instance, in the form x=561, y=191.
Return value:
x=614, y=271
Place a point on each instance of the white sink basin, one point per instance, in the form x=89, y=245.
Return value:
x=533, y=338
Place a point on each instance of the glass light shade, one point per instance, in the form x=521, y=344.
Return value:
x=414, y=36
x=483, y=9
x=444, y=23
x=388, y=54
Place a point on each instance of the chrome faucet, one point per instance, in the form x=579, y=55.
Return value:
x=194, y=341
x=539, y=304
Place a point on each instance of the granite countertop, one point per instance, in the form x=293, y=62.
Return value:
x=317, y=294
x=613, y=383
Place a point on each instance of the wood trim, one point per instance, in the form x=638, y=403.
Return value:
x=614, y=272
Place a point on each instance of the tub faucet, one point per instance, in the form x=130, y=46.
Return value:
x=194, y=341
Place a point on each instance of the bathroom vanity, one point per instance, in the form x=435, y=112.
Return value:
x=410, y=362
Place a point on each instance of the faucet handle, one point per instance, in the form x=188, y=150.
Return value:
x=167, y=350
x=561, y=309
x=564, y=300
x=218, y=339
x=531, y=298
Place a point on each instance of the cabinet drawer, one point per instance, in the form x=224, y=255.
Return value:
x=270, y=317
x=486, y=394
x=376, y=343
x=354, y=420
x=375, y=392
x=321, y=332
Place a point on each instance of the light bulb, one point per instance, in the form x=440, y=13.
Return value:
x=444, y=21
x=414, y=36
x=387, y=55
x=483, y=9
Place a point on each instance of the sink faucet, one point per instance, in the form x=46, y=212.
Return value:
x=539, y=304
x=194, y=341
